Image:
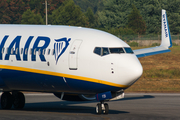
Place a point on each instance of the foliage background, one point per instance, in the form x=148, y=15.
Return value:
x=108, y=15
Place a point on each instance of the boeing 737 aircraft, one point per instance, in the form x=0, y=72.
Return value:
x=74, y=63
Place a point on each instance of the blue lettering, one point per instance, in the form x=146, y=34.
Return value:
x=16, y=52
x=2, y=45
x=26, y=48
x=40, y=49
x=14, y=48
x=165, y=26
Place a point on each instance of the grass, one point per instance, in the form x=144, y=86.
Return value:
x=161, y=73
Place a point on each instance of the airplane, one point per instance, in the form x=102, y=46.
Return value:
x=74, y=63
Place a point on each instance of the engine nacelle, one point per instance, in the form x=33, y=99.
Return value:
x=107, y=96
x=75, y=97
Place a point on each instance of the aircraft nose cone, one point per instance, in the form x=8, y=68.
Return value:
x=130, y=71
x=135, y=73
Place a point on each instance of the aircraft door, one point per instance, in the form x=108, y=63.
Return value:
x=73, y=55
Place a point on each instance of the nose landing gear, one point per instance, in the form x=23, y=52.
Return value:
x=102, y=108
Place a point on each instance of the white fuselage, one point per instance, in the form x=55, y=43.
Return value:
x=73, y=61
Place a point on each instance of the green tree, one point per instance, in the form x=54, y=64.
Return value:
x=111, y=14
x=151, y=13
x=90, y=15
x=4, y=10
x=172, y=6
x=114, y=14
x=38, y=6
x=95, y=5
x=30, y=17
x=173, y=13
x=16, y=9
x=135, y=21
x=68, y=14
x=174, y=23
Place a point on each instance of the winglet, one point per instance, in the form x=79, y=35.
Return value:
x=165, y=35
x=166, y=41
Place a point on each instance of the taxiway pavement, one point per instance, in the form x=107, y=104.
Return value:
x=135, y=106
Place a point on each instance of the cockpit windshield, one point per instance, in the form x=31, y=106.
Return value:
x=102, y=51
x=105, y=51
x=128, y=50
x=116, y=50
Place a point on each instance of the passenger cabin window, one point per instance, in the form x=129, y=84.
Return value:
x=39, y=51
x=17, y=50
x=116, y=50
x=128, y=50
x=26, y=50
x=34, y=52
x=44, y=51
x=21, y=50
x=2, y=50
x=7, y=50
x=53, y=51
x=12, y=50
x=31, y=51
x=48, y=51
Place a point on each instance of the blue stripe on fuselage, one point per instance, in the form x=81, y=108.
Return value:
x=27, y=81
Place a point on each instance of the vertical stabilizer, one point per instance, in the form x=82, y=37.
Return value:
x=165, y=35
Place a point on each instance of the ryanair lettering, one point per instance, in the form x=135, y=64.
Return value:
x=165, y=26
x=14, y=48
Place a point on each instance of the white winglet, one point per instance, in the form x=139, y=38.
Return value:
x=165, y=32
x=166, y=41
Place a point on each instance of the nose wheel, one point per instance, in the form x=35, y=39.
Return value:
x=102, y=108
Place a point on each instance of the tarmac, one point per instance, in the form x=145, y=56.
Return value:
x=135, y=106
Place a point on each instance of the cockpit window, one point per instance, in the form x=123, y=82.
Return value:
x=116, y=50
x=97, y=50
x=128, y=50
x=101, y=51
x=105, y=51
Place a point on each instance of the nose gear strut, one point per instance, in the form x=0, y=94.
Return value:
x=102, y=108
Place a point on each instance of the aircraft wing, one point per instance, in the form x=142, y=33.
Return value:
x=166, y=41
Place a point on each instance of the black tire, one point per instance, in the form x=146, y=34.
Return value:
x=98, y=108
x=106, y=108
x=6, y=100
x=18, y=100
